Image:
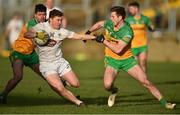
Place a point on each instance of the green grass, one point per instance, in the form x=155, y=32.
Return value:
x=132, y=97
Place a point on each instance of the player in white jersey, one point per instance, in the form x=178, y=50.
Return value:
x=52, y=64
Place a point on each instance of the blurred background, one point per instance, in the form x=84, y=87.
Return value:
x=164, y=43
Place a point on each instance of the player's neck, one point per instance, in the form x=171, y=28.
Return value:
x=119, y=25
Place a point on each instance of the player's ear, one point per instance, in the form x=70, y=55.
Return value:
x=120, y=17
x=50, y=19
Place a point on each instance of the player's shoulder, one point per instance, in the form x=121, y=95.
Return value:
x=144, y=17
x=64, y=31
x=129, y=17
x=108, y=23
x=127, y=30
x=127, y=26
x=32, y=22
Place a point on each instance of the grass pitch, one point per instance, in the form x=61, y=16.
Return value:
x=33, y=95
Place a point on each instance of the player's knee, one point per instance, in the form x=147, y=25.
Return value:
x=146, y=83
x=75, y=84
x=107, y=85
x=17, y=77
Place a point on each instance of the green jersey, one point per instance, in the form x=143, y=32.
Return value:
x=139, y=26
x=125, y=34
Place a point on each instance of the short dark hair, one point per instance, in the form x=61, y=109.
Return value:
x=135, y=4
x=54, y=13
x=40, y=8
x=119, y=10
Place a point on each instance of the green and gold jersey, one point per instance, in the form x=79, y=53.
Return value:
x=24, y=45
x=139, y=27
x=125, y=33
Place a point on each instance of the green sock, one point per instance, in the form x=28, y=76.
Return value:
x=163, y=101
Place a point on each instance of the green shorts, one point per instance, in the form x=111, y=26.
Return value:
x=125, y=64
x=138, y=50
x=28, y=59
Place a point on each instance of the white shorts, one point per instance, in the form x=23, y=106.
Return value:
x=60, y=67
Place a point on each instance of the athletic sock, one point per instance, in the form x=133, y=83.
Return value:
x=163, y=101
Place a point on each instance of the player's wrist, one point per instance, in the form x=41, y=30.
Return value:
x=100, y=38
x=88, y=32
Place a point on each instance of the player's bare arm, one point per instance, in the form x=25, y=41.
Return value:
x=83, y=37
x=96, y=26
x=30, y=34
x=116, y=47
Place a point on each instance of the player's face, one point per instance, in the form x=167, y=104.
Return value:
x=56, y=22
x=40, y=16
x=115, y=18
x=132, y=10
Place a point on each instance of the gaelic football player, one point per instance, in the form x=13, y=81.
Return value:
x=118, y=55
x=52, y=65
x=139, y=24
x=23, y=53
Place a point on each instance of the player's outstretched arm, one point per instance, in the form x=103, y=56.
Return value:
x=83, y=37
x=96, y=26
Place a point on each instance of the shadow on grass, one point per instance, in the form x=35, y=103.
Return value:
x=119, y=99
x=168, y=82
x=125, y=100
x=19, y=100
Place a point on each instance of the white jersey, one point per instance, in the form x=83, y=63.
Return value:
x=54, y=53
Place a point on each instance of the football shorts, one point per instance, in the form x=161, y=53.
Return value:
x=124, y=64
x=60, y=67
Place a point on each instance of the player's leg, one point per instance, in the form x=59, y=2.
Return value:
x=58, y=87
x=137, y=73
x=35, y=68
x=17, y=66
x=68, y=77
x=109, y=78
x=71, y=79
x=143, y=61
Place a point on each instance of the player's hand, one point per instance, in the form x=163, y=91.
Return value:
x=88, y=33
x=100, y=38
x=42, y=35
